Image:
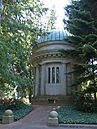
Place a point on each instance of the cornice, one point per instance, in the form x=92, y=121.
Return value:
x=49, y=55
x=58, y=42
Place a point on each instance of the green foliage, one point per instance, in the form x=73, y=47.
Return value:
x=7, y=104
x=84, y=102
x=89, y=52
x=69, y=115
x=19, y=108
x=20, y=25
x=52, y=17
x=22, y=111
x=82, y=26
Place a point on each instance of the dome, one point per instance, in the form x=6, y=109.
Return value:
x=53, y=35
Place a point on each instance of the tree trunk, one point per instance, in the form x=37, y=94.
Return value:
x=30, y=95
x=95, y=96
x=30, y=88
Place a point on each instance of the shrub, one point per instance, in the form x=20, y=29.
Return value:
x=18, y=107
x=85, y=102
x=6, y=103
x=12, y=104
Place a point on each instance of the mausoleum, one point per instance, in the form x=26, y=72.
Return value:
x=53, y=70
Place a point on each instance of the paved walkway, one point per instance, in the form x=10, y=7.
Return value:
x=39, y=116
x=37, y=119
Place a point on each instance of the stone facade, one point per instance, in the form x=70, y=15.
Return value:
x=53, y=70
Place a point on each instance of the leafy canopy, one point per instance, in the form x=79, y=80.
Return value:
x=21, y=23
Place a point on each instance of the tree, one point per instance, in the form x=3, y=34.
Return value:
x=82, y=26
x=52, y=18
x=21, y=24
x=0, y=9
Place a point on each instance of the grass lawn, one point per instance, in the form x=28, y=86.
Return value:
x=69, y=115
x=19, y=110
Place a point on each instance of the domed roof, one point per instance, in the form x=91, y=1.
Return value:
x=53, y=35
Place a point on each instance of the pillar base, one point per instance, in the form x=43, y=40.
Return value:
x=53, y=121
x=7, y=119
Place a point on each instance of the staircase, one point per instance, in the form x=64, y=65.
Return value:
x=52, y=100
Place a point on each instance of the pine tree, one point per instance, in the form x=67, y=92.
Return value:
x=82, y=26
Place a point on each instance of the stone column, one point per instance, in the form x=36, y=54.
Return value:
x=36, y=81
x=68, y=78
x=34, y=78
x=43, y=80
x=63, y=77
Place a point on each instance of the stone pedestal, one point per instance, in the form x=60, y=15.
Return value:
x=52, y=121
x=8, y=117
x=53, y=118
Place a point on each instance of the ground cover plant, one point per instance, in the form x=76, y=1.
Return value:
x=70, y=115
x=19, y=108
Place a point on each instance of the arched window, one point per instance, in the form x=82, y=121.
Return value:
x=57, y=74
x=53, y=75
x=49, y=75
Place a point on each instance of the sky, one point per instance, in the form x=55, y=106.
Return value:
x=59, y=7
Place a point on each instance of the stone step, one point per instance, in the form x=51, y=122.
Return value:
x=66, y=100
